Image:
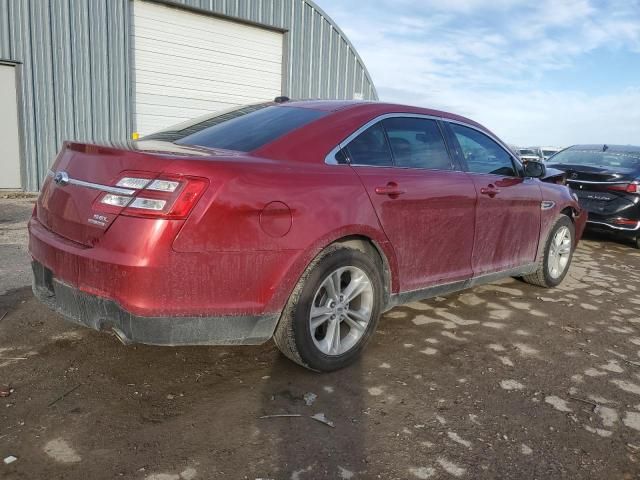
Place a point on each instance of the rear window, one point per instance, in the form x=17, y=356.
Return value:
x=244, y=129
x=595, y=158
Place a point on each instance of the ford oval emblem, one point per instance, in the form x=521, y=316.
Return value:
x=61, y=178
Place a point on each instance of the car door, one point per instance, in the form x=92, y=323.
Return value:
x=425, y=206
x=507, y=217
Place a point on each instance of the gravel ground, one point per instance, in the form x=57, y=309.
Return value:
x=503, y=381
x=15, y=270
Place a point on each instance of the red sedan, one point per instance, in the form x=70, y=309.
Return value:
x=301, y=221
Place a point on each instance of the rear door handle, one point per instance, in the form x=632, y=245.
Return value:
x=490, y=190
x=390, y=189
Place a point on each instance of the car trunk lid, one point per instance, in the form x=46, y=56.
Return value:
x=584, y=173
x=83, y=173
x=599, y=190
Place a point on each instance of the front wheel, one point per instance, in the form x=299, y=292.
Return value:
x=333, y=310
x=557, y=255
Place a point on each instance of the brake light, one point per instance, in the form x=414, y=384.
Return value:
x=170, y=197
x=188, y=197
x=626, y=187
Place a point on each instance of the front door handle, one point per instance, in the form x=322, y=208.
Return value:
x=390, y=189
x=490, y=190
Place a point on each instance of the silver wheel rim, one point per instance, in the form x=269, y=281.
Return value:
x=559, y=252
x=341, y=310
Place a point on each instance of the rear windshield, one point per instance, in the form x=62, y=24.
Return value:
x=595, y=158
x=244, y=129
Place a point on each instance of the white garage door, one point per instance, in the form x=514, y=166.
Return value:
x=189, y=64
x=9, y=149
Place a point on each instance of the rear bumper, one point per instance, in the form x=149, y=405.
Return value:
x=604, y=223
x=632, y=232
x=135, y=267
x=605, y=215
x=100, y=313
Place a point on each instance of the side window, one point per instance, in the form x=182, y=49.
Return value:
x=481, y=153
x=370, y=148
x=341, y=157
x=417, y=143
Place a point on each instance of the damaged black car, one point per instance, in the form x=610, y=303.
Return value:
x=606, y=180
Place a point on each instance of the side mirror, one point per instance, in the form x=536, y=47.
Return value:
x=535, y=170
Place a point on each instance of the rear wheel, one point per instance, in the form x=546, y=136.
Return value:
x=636, y=242
x=558, y=252
x=333, y=310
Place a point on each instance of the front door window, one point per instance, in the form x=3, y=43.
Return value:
x=482, y=154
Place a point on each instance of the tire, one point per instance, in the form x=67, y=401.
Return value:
x=316, y=349
x=546, y=275
x=636, y=242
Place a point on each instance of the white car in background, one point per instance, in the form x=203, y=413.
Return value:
x=546, y=152
x=528, y=155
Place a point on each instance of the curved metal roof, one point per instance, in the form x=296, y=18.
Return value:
x=93, y=100
x=353, y=49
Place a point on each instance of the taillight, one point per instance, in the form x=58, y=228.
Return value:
x=170, y=197
x=625, y=221
x=625, y=187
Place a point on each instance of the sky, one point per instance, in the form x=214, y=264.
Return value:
x=545, y=72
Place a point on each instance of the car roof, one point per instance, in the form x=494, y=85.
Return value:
x=324, y=105
x=312, y=142
x=377, y=108
x=610, y=148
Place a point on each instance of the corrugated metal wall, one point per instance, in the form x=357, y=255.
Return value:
x=74, y=65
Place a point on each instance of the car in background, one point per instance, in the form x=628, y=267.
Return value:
x=606, y=180
x=528, y=155
x=546, y=152
x=298, y=221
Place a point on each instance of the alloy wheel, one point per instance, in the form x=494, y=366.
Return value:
x=559, y=252
x=341, y=310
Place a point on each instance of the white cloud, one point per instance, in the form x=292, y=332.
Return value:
x=488, y=62
x=547, y=117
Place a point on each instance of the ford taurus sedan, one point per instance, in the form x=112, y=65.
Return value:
x=298, y=221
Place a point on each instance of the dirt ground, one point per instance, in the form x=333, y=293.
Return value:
x=502, y=381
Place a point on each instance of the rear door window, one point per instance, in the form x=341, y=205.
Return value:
x=481, y=153
x=370, y=148
x=244, y=129
x=417, y=143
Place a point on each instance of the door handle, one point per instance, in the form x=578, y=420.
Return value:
x=490, y=190
x=390, y=189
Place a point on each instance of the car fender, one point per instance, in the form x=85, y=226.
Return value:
x=305, y=257
x=556, y=201
x=295, y=209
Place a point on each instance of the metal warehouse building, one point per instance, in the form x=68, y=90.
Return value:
x=99, y=70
